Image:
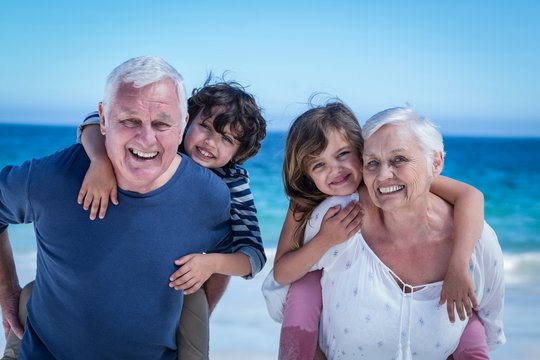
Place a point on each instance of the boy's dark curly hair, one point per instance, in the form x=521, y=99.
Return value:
x=239, y=110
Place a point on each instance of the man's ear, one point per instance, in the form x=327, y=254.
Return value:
x=102, y=125
x=438, y=162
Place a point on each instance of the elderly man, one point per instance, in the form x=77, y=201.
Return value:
x=101, y=288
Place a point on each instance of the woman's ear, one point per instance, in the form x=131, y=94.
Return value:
x=438, y=162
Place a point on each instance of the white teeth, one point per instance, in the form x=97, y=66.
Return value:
x=206, y=153
x=144, y=155
x=389, y=189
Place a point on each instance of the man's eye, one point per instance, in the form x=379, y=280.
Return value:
x=162, y=126
x=130, y=123
x=343, y=153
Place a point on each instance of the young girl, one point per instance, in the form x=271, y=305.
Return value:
x=226, y=129
x=323, y=158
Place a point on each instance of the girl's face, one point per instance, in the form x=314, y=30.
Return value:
x=206, y=146
x=395, y=168
x=337, y=170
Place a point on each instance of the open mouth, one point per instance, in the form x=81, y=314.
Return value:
x=391, y=189
x=143, y=155
x=205, y=153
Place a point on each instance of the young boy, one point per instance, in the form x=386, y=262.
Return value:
x=226, y=129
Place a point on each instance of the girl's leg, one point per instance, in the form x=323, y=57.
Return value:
x=192, y=337
x=13, y=343
x=473, y=342
x=300, y=329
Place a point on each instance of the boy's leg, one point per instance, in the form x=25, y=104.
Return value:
x=473, y=342
x=300, y=328
x=192, y=337
x=13, y=343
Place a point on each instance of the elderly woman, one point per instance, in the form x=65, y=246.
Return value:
x=381, y=288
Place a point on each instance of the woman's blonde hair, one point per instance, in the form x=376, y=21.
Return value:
x=307, y=138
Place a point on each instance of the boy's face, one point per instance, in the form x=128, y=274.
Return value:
x=206, y=146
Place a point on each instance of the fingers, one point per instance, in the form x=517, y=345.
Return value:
x=450, y=309
x=114, y=196
x=459, y=308
x=474, y=301
x=333, y=211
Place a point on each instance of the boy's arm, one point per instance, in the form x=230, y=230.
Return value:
x=195, y=269
x=99, y=184
x=245, y=231
x=468, y=204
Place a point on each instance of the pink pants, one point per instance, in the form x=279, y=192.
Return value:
x=300, y=328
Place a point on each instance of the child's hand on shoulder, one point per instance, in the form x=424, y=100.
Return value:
x=457, y=292
x=99, y=185
x=194, y=270
x=339, y=225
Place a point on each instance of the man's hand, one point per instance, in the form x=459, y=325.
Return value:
x=10, y=313
x=194, y=270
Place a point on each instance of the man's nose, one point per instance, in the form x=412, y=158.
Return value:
x=147, y=133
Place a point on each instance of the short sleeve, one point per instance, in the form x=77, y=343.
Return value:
x=314, y=225
x=15, y=206
x=90, y=119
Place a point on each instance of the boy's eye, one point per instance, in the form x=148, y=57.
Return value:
x=228, y=139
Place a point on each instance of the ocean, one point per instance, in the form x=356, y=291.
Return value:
x=506, y=170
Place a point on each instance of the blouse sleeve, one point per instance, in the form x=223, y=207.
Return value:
x=488, y=275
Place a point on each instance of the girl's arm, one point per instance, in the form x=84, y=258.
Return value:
x=468, y=226
x=99, y=184
x=292, y=263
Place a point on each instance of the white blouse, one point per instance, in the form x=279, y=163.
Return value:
x=366, y=314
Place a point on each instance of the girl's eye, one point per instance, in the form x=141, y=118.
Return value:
x=316, y=166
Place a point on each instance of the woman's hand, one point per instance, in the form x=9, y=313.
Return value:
x=194, y=270
x=457, y=292
x=339, y=225
x=99, y=185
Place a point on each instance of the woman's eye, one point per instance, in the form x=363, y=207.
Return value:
x=371, y=164
x=398, y=160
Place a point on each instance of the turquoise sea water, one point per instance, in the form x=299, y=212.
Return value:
x=506, y=170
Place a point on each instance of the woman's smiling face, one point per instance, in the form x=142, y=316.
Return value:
x=396, y=170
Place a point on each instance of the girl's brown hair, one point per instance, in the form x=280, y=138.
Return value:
x=307, y=138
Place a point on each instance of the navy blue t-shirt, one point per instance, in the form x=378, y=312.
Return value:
x=101, y=289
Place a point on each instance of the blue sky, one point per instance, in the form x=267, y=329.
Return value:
x=473, y=67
